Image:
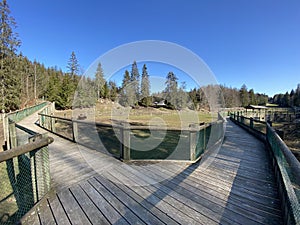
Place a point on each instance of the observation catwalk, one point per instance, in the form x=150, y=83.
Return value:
x=232, y=184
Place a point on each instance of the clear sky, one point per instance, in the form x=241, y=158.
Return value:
x=256, y=42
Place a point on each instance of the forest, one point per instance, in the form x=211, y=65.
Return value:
x=22, y=82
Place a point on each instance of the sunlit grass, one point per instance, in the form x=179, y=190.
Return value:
x=176, y=119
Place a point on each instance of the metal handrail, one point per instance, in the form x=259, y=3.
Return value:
x=289, y=156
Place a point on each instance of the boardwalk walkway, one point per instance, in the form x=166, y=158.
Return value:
x=232, y=185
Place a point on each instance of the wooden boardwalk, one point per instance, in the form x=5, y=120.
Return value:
x=233, y=184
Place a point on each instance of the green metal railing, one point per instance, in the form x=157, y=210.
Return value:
x=286, y=166
x=24, y=167
x=25, y=174
x=17, y=116
x=123, y=141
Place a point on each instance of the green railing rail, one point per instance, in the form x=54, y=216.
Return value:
x=285, y=164
x=18, y=115
x=121, y=138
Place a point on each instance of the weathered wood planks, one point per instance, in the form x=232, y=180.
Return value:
x=237, y=186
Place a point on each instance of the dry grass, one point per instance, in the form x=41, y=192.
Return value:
x=108, y=112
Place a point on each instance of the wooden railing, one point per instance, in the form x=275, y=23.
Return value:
x=118, y=139
x=285, y=165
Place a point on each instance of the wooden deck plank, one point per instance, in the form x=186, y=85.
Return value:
x=72, y=208
x=248, y=216
x=113, y=216
x=165, y=218
x=170, y=209
x=143, y=214
x=91, y=211
x=122, y=208
x=58, y=211
x=193, y=190
x=143, y=181
x=45, y=213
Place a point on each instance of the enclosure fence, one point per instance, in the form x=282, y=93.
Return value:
x=121, y=139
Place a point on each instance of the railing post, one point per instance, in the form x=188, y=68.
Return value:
x=12, y=135
x=251, y=122
x=192, y=141
x=52, y=124
x=204, y=138
x=125, y=142
x=242, y=119
x=75, y=131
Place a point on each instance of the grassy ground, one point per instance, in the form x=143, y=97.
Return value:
x=8, y=205
x=173, y=119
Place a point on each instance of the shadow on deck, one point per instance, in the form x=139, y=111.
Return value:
x=231, y=185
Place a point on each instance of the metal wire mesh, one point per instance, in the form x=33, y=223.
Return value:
x=25, y=179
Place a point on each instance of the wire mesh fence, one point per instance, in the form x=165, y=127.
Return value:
x=24, y=168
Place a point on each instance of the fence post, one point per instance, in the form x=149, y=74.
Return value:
x=204, y=138
x=125, y=142
x=75, y=131
x=192, y=141
x=251, y=122
x=12, y=135
x=52, y=124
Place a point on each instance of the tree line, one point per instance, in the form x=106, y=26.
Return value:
x=289, y=99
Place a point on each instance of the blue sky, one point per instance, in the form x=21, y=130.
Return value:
x=254, y=42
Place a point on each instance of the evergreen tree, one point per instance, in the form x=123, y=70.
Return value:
x=145, y=87
x=9, y=76
x=105, y=90
x=100, y=81
x=244, y=96
x=113, y=90
x=128, y=96
x=135, y=82
x=85, y=95
x=182, y=97
x=252, y=97
x=73, y=66
x=286, y=100
x=292, y=96
x=171, y=88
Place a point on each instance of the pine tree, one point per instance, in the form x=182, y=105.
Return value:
x=73, y=66
x=145, y=87
x=113, y=90
x=244, y=96
x=128, y=96
x=252, y=97
x=105, y=90
x=9, y=76
x=135, y=82
x=100, y=81
x=171, y=88
x=182, y=97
